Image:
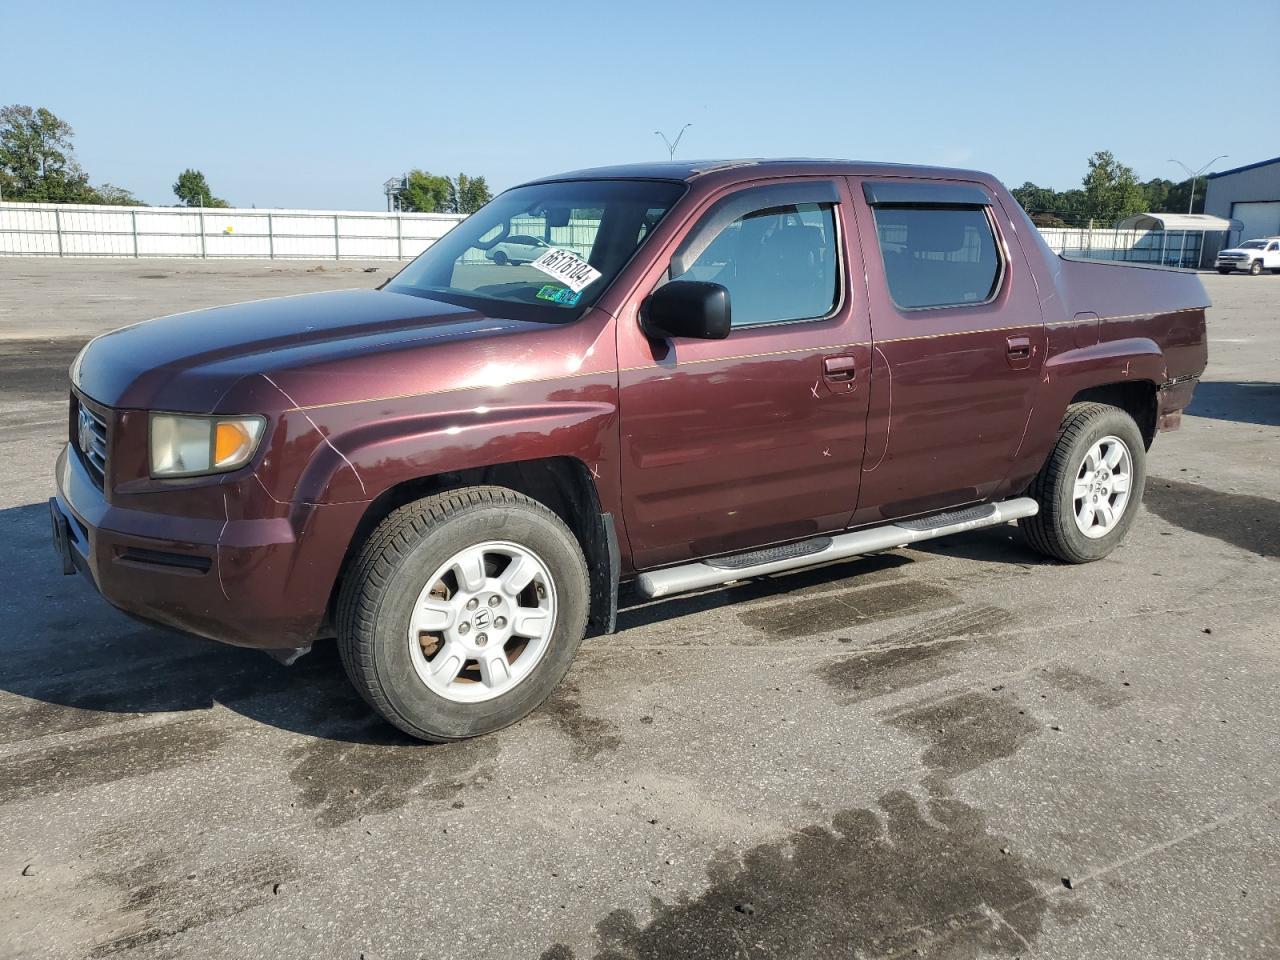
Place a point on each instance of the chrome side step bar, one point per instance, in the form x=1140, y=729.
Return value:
x=694, y=576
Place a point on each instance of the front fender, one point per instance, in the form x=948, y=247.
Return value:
x=364, y=461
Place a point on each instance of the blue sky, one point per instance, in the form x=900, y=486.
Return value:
x=314, y=105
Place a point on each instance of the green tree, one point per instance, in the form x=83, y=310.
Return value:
x=37, y=159
x=1112, y=191
x=193, y=190
x=114, y=196
x=467, y=194
x=425, y=193
x=1051, y=208
x=1165, y=196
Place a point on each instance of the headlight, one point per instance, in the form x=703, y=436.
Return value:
x=189, y=446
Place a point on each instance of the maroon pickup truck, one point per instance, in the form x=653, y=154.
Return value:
x=694, y=374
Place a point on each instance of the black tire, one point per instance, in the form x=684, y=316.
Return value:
x=1053, y=531
x=500, y=258
x=392, y=568
x=1255, y=268
x=1225, y=270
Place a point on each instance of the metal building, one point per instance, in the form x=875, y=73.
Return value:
x=1249, y=194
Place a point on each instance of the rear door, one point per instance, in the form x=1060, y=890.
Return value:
x=729, y=445
x=958, y=345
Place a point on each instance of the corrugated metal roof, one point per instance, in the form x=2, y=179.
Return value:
x=1177, y=221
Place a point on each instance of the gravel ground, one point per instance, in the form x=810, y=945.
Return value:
x=956, y=751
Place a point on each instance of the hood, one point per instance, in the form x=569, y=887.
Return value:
x=187, y=362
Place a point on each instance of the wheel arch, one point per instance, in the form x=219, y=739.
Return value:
x=1124, y=373
x=563, y=484
x=1138, y=398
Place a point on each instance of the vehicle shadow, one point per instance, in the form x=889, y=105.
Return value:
x=636, y=611
x=77, y=663
x=1241, y=401
x=1001, y=544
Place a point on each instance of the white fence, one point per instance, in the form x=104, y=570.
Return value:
x=74, y=230
x=1170, y=248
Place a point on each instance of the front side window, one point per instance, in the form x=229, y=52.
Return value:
x=938, y=256
x=778, y=264
x=541, y=252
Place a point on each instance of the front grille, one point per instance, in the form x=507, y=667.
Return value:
x=89, y=438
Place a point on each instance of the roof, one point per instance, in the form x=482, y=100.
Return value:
x=1247, y=166
x=686, y=170
x=1177, y=221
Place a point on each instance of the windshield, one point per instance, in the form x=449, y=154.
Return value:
x=542, y=252
x=1251, y=245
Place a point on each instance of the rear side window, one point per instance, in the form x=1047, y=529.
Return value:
x=938, y=256
x=778, y=264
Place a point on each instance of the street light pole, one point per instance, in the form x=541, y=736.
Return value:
x=1192, y=202
x=672, y=144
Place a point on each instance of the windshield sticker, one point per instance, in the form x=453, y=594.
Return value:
x=558, y=294
x=567, y=267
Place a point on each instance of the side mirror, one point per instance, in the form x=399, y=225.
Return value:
x=686, y=308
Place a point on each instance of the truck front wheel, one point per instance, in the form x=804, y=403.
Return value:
x=462, y=612
x=1090, y=487
x=1255, y=268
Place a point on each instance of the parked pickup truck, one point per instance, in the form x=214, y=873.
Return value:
x=758, y=366
x=1252, y=256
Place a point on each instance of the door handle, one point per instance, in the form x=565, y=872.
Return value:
x=1019, y=347
x=841, y=368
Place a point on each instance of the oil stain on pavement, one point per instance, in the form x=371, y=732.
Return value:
x=967, y=731
x=847, y=608
x=1250, y=523
x=377, y=769
x=588, y=736
x=872, y=883
x=109, y=758
x=907, y=877
x=914, y=656
x=163, y=899
x=1097, y=692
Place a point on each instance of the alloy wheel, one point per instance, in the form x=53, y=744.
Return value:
x=482, y=622
x=1101, y=492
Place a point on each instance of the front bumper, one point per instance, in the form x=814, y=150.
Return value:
x=1233, y=264
x=252, y=582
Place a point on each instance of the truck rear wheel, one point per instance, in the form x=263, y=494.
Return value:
x=462, y=612
x=1090, y=487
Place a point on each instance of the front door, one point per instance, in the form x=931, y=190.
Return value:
x=756, y=439
x=959, y=345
